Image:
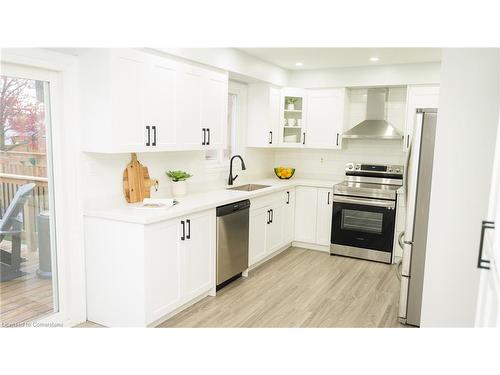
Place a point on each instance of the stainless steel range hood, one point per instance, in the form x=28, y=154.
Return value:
x=375, y=126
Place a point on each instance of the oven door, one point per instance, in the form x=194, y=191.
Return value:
x=363, y=222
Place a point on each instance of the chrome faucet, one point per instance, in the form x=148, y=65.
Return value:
x=231, y=178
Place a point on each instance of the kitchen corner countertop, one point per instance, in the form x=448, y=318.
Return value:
x=200, y=201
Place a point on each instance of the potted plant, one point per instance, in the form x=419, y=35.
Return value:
x=290, y=103
x=179, y=185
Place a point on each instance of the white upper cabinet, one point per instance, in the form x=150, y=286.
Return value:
x=133, y=101
x=263, y=115
x=293, y=119
x=214, y=91
x=160, y=104
x=188, y=90
x=418, y=97
x=325, y=118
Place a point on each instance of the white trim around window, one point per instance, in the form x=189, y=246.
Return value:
x=63, y=78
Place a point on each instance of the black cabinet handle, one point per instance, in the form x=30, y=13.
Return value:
x=208, y=131
x=288, y=197
x=407, y=141
x=154, y=136
x=337, y=139
x=268, y=216
x=328, y=200
x=148, y=142
x=482, y=263
x=204, y=137
x=188, y=222
x=270, y=138
x=183, y=237
x=272, y=216
x=304, y=140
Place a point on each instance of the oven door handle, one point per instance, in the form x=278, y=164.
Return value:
x=364, y=201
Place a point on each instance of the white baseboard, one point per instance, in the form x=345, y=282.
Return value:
x=179, y=309
x=311, y=246
x=272, y=255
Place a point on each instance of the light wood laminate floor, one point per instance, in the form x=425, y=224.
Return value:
x=25, y=298
x=302, y=288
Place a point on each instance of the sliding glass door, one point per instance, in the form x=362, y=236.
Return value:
x=28, y=288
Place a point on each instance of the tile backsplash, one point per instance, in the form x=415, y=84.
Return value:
x=330, y=164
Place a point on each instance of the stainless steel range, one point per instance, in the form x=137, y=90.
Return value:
x=364, y=212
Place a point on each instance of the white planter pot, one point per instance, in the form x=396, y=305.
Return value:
x=179, y=188
x=290, y=107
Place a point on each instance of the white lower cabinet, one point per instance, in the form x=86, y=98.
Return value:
x=270, y=218
x=196, y=257
x=149, y=271
x=162, y=269
x=324, y=216
x=313, y=215
x=306, y=201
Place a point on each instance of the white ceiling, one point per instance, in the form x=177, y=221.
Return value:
x=322, y=58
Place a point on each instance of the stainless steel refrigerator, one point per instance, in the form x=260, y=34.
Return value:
x=413, y=240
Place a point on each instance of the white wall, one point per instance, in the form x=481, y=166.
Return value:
x=103, y=173
x=465, y=136
x=235, y=61
x=330, y=164
x=383, y=75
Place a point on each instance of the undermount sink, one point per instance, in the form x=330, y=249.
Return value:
x=249, y=187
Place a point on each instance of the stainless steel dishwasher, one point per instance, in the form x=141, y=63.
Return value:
x=232, y=241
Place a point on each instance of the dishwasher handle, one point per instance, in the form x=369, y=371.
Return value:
x=233, y=207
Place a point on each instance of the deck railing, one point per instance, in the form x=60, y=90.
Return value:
x=38, y=202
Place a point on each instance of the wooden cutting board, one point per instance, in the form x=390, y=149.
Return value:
x=136, y=181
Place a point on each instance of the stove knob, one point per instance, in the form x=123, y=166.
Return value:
x=350, y=166
x=357, y=167
x=398, y=170
x=389, y=169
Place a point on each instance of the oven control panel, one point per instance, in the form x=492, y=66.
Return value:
x=374, y=168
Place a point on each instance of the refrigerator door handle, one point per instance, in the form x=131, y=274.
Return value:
x=408, y=242
x=400, y=239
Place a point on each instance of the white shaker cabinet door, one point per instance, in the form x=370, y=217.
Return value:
x=275, y=228
x=188, y=122
x=289, y=214
x=325, y=118
x=418, y=97
x=306, y=199
x=162, y=269
x=258, y=230
x=128, y=82
x=214, y=109
x=196, y=253
x=160, y=104
x=324, y=218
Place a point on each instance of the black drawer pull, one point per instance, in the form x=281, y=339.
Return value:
x=183, y=237
x=188, y=222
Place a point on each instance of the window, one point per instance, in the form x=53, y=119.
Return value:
x=28, y=287
x=221, y=156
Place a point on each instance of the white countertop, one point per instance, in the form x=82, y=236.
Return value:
x=199, y=202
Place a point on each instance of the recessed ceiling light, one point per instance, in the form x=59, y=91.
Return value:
x=374, y=59
x=299, y=64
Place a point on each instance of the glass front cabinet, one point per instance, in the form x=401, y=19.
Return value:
x=293, y=104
